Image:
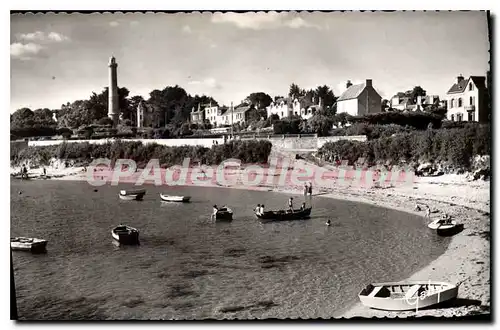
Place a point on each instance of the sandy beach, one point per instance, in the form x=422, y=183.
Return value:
x=467, y=259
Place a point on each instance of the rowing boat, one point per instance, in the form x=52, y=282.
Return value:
x=394, y=296
x=170, y=198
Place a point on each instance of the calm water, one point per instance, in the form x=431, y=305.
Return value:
x=190, y=268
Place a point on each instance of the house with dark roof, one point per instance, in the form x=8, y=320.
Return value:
x=467, y=100
x=359, y=99
x=304, y=107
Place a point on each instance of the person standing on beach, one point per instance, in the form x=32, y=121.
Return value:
x=306, y=189
x=427, y=212
x=44, y=171
x=214, y=213
x=310, y=189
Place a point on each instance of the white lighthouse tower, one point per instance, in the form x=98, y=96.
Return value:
x=113, y=109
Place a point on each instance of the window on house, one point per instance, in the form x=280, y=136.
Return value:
x=452, y=103
x=471, y=86
x=460, y=102
x=452, y=117
x=471, y=116
x=471, y=100
x=459, y=117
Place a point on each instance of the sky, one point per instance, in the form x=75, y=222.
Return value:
x=60, y=58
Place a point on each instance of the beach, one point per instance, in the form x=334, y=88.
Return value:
x=467, y=259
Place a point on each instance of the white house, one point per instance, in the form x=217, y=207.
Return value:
x=467, y=100
x=359, y=99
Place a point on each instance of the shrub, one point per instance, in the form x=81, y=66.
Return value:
x=454, y=146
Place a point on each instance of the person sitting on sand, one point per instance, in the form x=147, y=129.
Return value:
x=214, y=213
x=261, y=210
x=290, y=204
x=257, y=209
x=328, y=222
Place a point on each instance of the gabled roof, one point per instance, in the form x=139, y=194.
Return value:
x=352, y=92
x=460, y=87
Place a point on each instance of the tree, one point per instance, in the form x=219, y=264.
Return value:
x=22, y=118
x=320, y=124
x=417, y=91
x=98, y=104
x=385, y=105
x=75, y=115
x=260, y=100
x=295, y=91
x=326, y=95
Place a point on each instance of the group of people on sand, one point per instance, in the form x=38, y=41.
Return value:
x=445, y=219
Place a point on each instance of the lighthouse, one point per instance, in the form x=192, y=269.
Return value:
x=113, y=109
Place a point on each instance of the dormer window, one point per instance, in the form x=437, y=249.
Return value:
x=471, y=87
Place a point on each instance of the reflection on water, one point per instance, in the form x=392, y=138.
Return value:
x=190, y=267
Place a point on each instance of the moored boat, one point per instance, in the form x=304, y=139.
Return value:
x=394, y=296
x=170, y=198
x=131, y=195
x=125, y=234
x=283, y=215
x=224, y=214
x=28, y=244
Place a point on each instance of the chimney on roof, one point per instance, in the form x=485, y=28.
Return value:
x=368, y=82
x=459, y=79
x=349, y=84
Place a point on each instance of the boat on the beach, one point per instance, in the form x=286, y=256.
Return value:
x=131, y=195
x=224, y=214
x=449, y=229
x=170, y=198
x=34, y=245
x=125, y=234
x=282, y=215
x=394, y=296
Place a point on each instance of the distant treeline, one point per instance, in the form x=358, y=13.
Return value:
x=251, y=151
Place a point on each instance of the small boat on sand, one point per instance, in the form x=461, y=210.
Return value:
x=450, y=229
x=34, y=245
x=224, y=214
x=393, y=296
x=283, y=215
x=130, y=195
x=170, y=198
x=125, y=234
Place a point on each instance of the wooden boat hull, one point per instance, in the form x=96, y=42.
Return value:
x=284, y=216
x=129, y=236
x=407, y=296
x=34, y=245
x=179, y=199
x=437, y=224
x=137, y=197
x=450, y=230
x=224, y=215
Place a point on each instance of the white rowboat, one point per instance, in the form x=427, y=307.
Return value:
x=170, y=198
x=28, y=244
x=414, y=295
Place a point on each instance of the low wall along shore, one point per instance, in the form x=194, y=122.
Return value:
x=279, y=143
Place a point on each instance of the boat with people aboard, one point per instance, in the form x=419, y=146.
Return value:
x=224, y=214
x=125, y=234
x=34, y=245
x=396, y=296
x=131, y=195
x=282, y=215
x=171, y=198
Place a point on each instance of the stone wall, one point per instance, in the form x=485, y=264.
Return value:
x=280, y=143
x=166, y=142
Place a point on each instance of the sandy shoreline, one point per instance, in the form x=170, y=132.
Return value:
x=467, y=258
